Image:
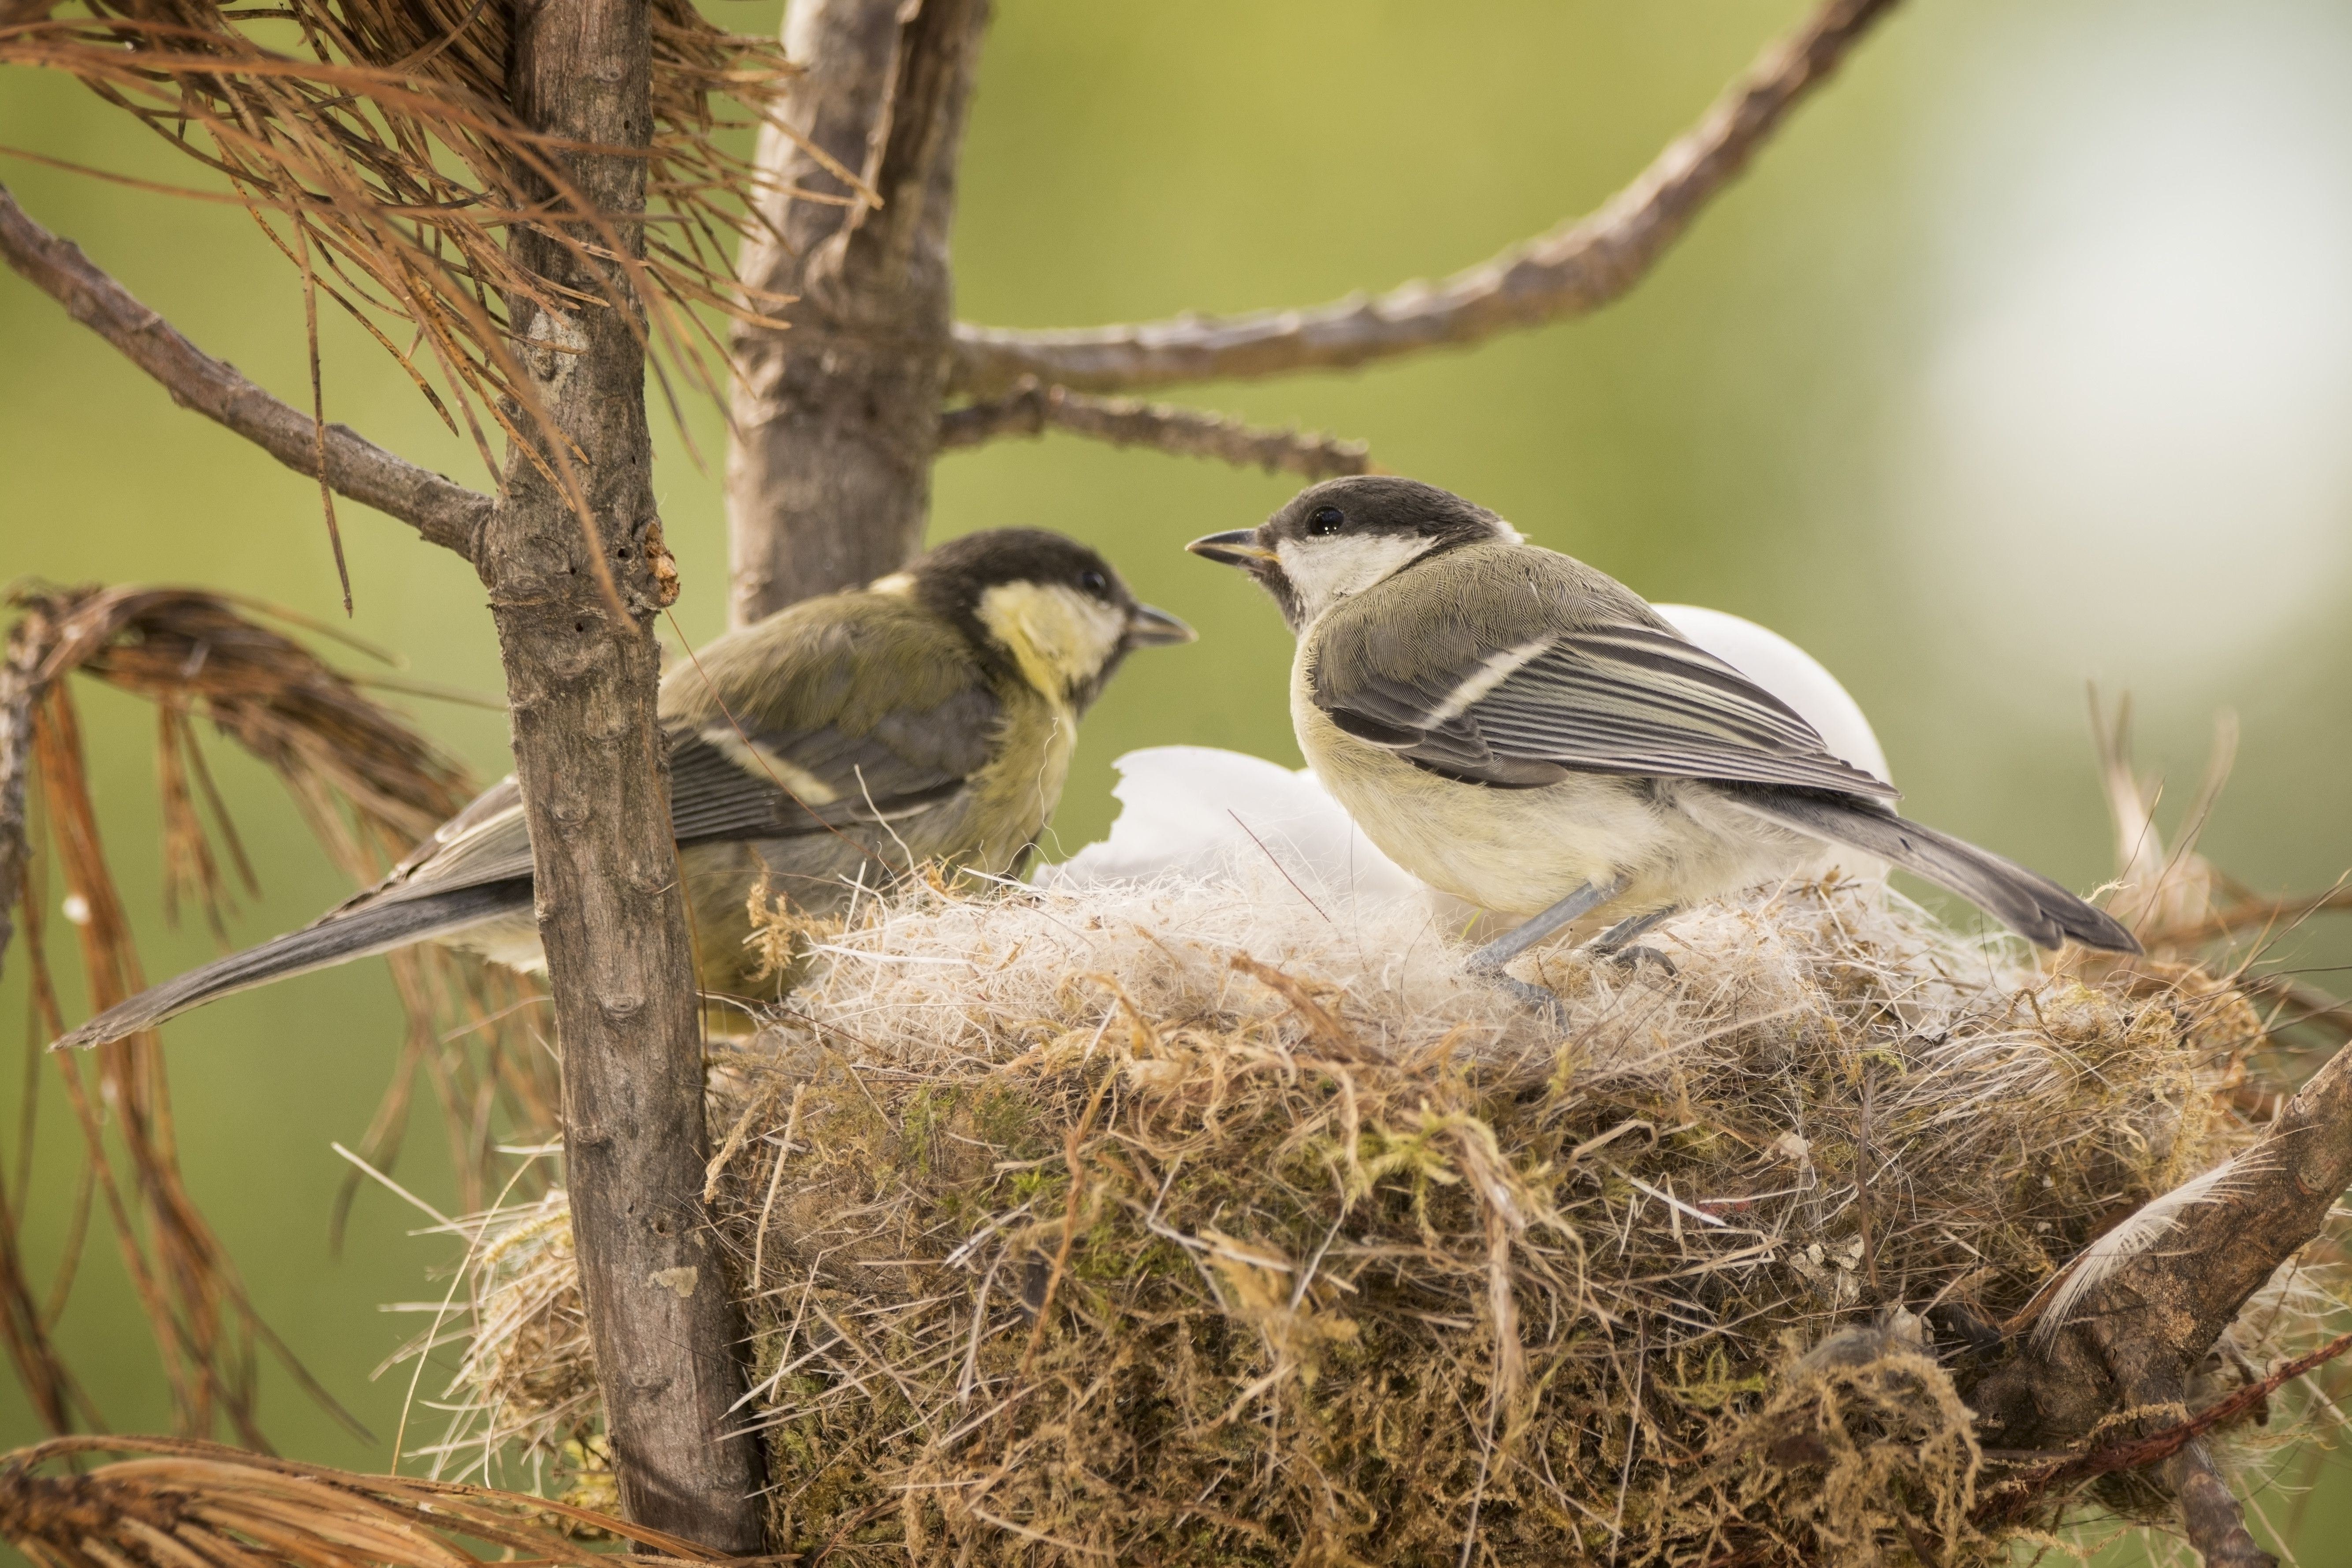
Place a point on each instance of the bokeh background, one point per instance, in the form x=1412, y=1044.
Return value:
x=2021, y=359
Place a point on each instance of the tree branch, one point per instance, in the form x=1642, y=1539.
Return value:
x=2272, y=914
x=2137, y=1337
x=580, y=683
x=2215, y=1524
x=836, y=419
x=446, y=512
x=1031, y=408
x=1573, y=269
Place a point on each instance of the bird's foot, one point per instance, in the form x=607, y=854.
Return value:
x=1536, y=998
x=1630, y=959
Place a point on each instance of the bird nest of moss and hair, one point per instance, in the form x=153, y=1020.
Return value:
x=1190, y=1222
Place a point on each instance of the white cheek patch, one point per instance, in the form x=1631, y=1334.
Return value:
x=1323, y=572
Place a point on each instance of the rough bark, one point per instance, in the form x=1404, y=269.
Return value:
x=445, y=511
x=21, y=684
x=2139, y=1339
x=588, y=752
x=1574, y=269
x=838, y=415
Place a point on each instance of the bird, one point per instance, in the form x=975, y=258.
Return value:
x=834, y=746
x=1200, y=812
x=1525, y=733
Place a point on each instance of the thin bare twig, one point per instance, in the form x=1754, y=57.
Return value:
x=444, y=511
x=2012, y=1499
x=1572, y=270
x=2262, y=913
x=1031, y=408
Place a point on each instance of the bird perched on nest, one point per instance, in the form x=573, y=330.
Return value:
x=1523, y=731
x=926, y=717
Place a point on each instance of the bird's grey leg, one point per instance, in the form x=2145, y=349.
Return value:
x=1489, y=960
x=1492, y=957
x=1616, y=942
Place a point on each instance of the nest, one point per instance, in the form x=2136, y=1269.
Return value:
x=1189, y=1223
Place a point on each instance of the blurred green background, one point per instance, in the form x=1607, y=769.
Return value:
x=2022, y=358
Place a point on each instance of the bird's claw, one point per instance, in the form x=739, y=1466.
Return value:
x=1536, y=998
x=1632, y=958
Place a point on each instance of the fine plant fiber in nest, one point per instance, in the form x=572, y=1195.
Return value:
x=375, y=142
x=1184, y=1222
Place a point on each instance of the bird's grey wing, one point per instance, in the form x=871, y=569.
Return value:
x=732, y=782
x=486, y=843
x=1610, y=695
x=842, y=709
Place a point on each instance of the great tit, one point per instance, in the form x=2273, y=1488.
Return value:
x=925, y=718
x=1523, y=731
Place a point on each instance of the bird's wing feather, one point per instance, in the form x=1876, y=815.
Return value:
x=485, y=843
x=890, y=719
x=846, y=708
x=759, y=784
x=1571, y=674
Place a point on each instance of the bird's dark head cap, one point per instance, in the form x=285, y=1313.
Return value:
x=1338, y=538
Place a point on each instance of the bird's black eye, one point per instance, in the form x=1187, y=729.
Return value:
x=1325, y=520
x=1094, y=581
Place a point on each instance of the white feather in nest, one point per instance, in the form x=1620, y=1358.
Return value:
x=1199, y=812
x=2149, y=1224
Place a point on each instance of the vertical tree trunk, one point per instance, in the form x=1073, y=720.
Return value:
x=838, y=416
x=588, y=752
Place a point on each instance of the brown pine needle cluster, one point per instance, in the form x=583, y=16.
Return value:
x=375, y=142
x=369, y=786
x=182, y=1504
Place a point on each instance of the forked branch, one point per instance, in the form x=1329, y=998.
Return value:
x=2137, y=1336
x=1030, y=409
x=1574, y=269
x=444, y=511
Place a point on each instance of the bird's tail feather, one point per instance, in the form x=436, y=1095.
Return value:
x=2030, y=904
x=358, y=934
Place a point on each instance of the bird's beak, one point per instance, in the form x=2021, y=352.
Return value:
x=1151, y=627
x=1239, y=548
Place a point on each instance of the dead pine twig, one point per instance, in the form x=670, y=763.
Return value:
x=441, y=510
x=1032, y=409
x=368, y=787
x=1571, y=271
